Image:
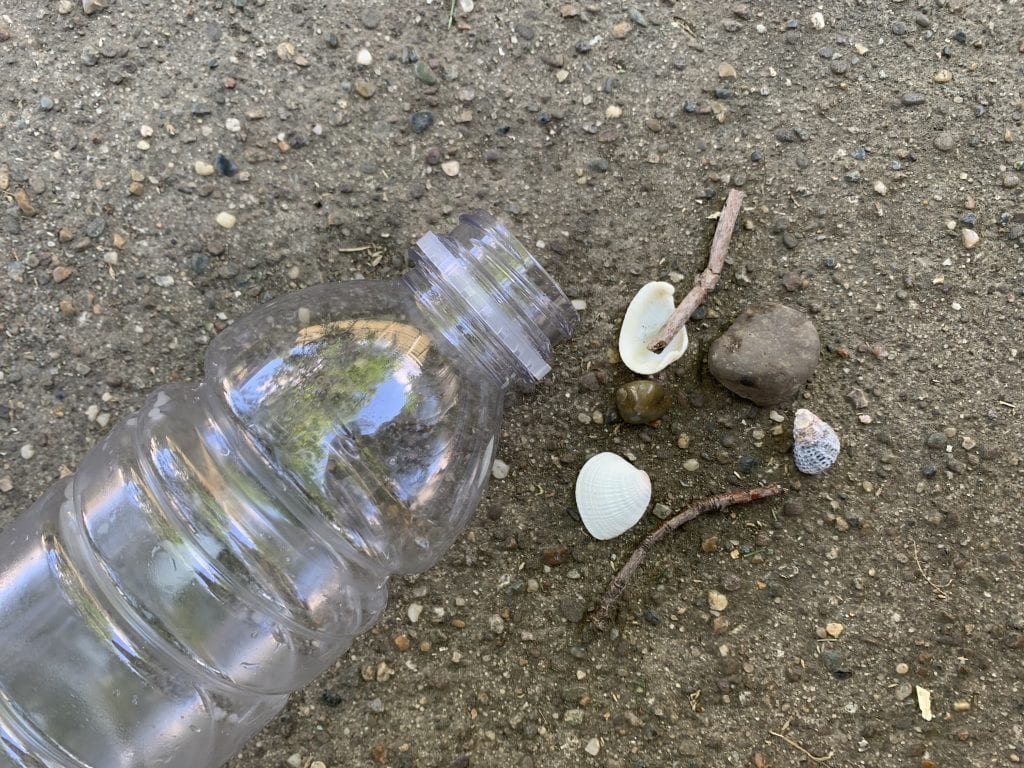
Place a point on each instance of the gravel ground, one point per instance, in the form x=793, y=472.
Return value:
x=166, y=167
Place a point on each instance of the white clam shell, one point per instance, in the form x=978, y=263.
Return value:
x=815, y=443
x=611, y=495
x=647, y=313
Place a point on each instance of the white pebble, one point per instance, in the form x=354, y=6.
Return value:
x=6, y=484
x=414, y=612
x=450, y=167
x=761, y=29
x=579, y=304
x=818, y=20
x=364, y=58
x=499, y=469
x=593, y=747
x=226, y=220
x=203, y=168
x=466, y=6
x=92, y=412
x=970, y=238
x=691, y=465
x=27, y=451
x=880, y=188
x=613, y=111
x=233, y=124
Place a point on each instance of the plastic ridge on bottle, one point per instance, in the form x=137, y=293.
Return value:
x=224, y=545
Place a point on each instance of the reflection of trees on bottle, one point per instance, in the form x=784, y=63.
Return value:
x=325, y=408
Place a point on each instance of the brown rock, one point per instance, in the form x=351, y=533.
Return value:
x=62, y=273
x=642, y=401
x=21, y=198
x=767, y=354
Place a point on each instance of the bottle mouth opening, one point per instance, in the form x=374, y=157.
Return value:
x=505, y=288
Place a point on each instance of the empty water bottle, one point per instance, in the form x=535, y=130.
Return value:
x=223, y=546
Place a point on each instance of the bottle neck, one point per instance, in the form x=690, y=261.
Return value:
x=490, y=298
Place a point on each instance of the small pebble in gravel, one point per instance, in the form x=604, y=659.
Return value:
x=944, y=141
x=691, y=465
x=613, y=111
x=364, y=88
x=717, y=601
x=593, y=747
x=225, y=166
x=834, y=629
x=424, y=73
x=233, y=124
x=912, y=99
x=203, y=168
x=970, y=237
x=420, y=121
x=621, y=29
x=450, y=167
x=942, y=76
x=499, y=469
x=226, y=220
x=62, y=273
x=364, y=58
x=1011, y=180
x=880, y=188
x=27, y=451
x=898, y=28
x=642, y=401
x=6, y=484
x=818, y=20
x=726, y=71
x=46, y=103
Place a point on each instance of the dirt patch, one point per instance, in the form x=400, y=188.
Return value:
x=605, y=137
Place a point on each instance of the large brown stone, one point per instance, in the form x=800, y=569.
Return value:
x=767, y=354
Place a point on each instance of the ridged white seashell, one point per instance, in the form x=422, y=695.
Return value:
x=815, y=443
x=611, y=495
x=647, y=313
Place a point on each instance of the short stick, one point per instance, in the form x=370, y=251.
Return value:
x=708, y=279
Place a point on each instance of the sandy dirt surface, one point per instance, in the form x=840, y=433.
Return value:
x=875, y=142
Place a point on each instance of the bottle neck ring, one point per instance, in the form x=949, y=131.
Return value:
x=491, y=298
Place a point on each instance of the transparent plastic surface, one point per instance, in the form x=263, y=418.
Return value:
x=223, y=546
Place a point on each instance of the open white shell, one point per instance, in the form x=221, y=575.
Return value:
x=647, y=313
x=815, y=443
x=611, y=495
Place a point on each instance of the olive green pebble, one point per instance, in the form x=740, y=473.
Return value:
x=642, y=401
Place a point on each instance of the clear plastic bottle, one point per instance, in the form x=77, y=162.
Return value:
x=223, y=546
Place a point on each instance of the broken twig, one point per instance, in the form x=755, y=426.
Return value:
x=940, y=591
x=708, y=279
x=696, y=509
x=794, y=745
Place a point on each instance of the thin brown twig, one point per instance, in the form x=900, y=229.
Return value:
x=708, y=279
x=939, y=591
x=794, y=745
x=695, y=509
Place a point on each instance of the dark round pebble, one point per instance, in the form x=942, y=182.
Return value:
x=839, y=66
x=225, y=166
x=746, y=464
x=960, y=37
x=936, y=440
x=929, y=470
x=651, y=618
x=584, y=46
x=912, y=99
x=792, y=24
x=331, y=39
x=642, y=401
x=420, y=121
x=969, y=220
x=200, y=261
x=898, y=28
x=756, y=156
